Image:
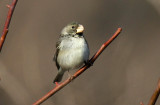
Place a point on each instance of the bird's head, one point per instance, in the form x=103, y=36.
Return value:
x=73, y=29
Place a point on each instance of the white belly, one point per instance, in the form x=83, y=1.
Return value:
x=73, y=53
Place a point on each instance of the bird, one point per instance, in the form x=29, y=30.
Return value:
x=72, y=50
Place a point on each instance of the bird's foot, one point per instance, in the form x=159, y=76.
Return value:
x=57, y=84
x=88, y=63
x=71, y=77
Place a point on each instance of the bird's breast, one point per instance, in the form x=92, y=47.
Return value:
x=73, y=53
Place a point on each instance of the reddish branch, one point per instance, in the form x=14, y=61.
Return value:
x=155, y=95
x=80, y=71
x=9, y=16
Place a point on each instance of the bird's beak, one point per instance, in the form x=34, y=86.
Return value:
x=80, y=29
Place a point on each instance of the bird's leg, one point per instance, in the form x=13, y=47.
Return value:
x=70, y=76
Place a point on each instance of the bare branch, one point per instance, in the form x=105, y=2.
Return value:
x=9, y=16
x=155, y=95
x=67, y=81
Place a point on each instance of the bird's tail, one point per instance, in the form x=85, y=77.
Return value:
x=59, y=76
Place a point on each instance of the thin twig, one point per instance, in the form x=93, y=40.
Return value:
x=155, y=95
x=60, y=86
x=9, y=16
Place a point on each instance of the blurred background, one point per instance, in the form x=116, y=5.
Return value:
x=126, y=73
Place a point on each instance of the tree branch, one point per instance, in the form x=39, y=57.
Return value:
x=155, y=95
x=80, y=71
x=9, y=16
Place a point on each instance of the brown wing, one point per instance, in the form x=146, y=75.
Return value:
x=56, y=54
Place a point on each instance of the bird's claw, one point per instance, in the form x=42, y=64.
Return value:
x=57, y=84
x=71, y=77
x=88, y=63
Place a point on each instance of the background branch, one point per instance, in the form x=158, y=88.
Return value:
x=9, y=16
x=155, y=95
x=67, y=81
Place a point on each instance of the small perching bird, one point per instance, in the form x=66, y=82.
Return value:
x=72, y=49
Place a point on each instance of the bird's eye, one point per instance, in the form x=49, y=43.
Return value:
x=73, y=27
